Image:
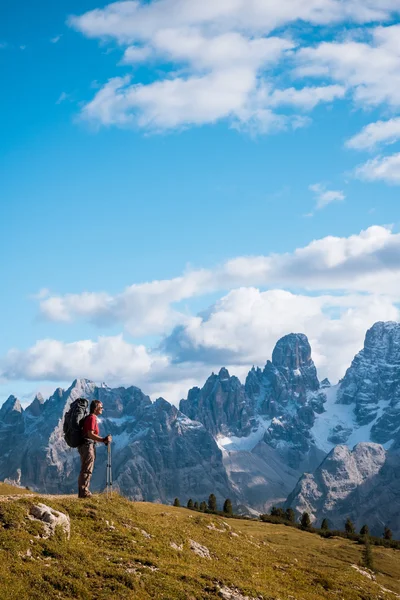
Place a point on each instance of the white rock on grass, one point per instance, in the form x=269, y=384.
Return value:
x=233, y=594
x=51, y=519
x=176, y=547
x=200, y=550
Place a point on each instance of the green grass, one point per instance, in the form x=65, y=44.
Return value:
x=116, y=560
x=12, y=490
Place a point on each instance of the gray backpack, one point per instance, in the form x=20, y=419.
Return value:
x=73, y=422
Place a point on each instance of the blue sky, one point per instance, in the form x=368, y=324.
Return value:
x=157, y=142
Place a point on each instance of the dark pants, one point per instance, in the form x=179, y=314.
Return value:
x=87, y=452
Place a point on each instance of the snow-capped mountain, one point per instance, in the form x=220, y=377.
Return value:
x=158, y=453
x=251, y=442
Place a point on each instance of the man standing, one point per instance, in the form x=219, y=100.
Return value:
x=87, y=450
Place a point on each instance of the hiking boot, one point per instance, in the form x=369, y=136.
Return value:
x=86, y=495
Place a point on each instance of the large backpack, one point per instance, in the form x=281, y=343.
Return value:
x=73, y=422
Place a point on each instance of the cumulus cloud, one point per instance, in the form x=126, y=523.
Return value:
x=386, y=168
x=370, y=68
x=324, y=196
x=243, y=327
x=132, y=20
x=360, y=263
x=374, y=134
x=238, y=331
x=109, y=358
x=224, y=58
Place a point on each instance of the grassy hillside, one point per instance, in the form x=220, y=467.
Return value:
x=122, y=550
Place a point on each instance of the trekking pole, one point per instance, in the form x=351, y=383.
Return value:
x=109, y=472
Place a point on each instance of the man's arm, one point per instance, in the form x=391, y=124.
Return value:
x=96, y=438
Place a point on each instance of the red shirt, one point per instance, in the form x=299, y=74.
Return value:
x=90, y=424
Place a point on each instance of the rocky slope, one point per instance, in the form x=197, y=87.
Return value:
x=362, y=484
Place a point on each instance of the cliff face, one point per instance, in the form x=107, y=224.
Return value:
x=362, y=484
x=221, y=405
x=372, y=382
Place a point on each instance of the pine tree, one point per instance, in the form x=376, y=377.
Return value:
x=203, y=506
x=190, y=504
x=349, y=526
x=387, y=534
x=289, y=515
x=364, y=530
x=324, y=525
x=196, y=505
x=305, y=520
x=228, y=507
x=278, y=512
x=212, y=503
x=176, y=502
x=367, y=558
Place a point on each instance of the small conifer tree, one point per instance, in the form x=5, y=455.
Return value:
x=364, y=530
x=212, y=503
x=289, y=515
x=349, y=526
x=387, y=534
x=324, y=525
x=196, y=505
x=203, y=506
x=228, y=507
x=190, y=504
x=367, y=558
x=176, y=502
x=305, y=520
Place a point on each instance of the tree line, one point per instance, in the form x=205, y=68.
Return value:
x=209, y=506
x=305, y=523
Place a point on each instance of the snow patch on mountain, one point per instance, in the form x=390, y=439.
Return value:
x=247, y=443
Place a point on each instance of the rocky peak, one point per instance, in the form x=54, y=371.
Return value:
x=11, y=413
x=12, y=404
x=36, y=406
x=292, y=351
x=82, y=388
x=221, y=405
x=372, y=382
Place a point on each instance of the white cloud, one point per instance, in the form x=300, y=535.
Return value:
x=226, y=59
x=240, y=330
x=371, y=69
x=110, y=358
x=307, y=97
x=243, y=327
x=135, y=54
x=361, y=263
x=373, y=134
x=56, y=39
x=386, y=168
x=324, y=196
x=62, y=97
x=130, y=21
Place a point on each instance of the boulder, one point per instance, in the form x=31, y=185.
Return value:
x=51, y=519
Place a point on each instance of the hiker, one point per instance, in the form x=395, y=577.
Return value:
x=87, y=450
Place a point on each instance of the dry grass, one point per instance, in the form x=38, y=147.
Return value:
x=109, y=556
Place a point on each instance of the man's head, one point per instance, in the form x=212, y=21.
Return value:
x=96, y=407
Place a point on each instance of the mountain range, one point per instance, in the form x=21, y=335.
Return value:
x=282, y=436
